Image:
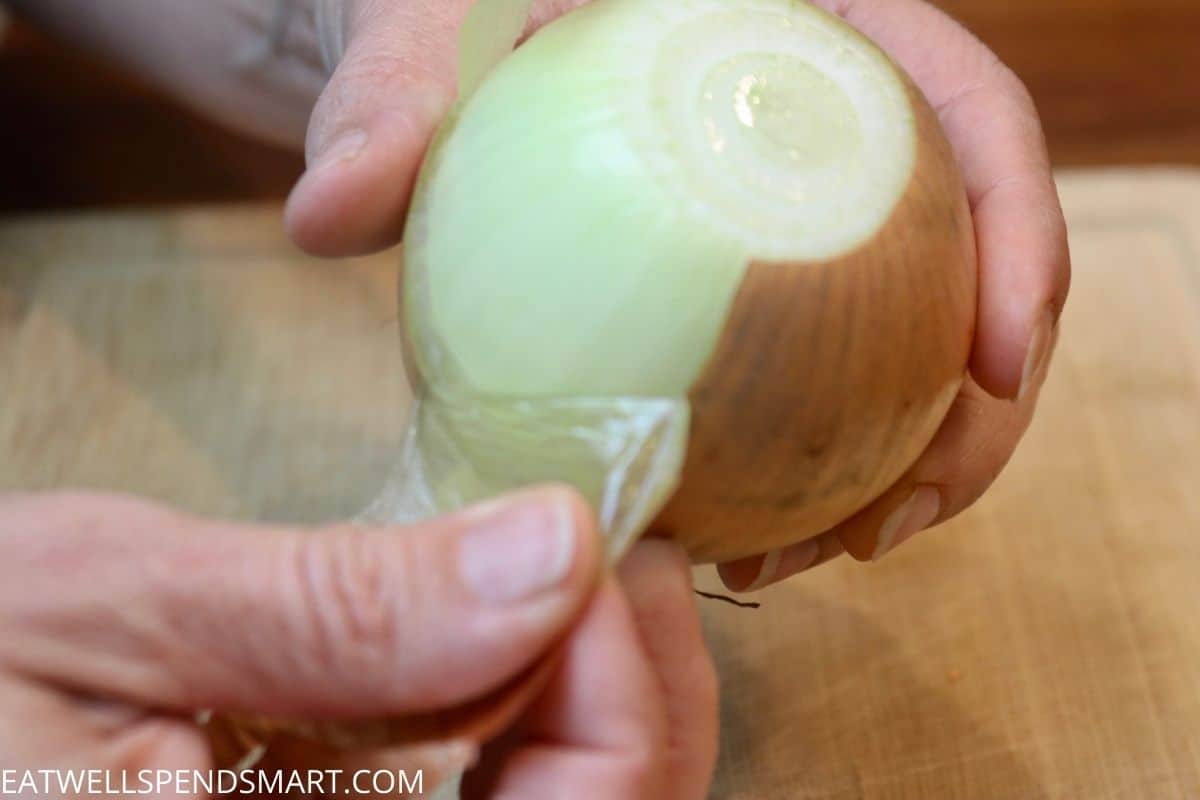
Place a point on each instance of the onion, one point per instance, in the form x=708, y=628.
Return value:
x=713, y=252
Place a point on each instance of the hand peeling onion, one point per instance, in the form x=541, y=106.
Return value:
x=710, y=261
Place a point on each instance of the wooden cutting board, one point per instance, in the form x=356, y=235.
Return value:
x=1047, y=644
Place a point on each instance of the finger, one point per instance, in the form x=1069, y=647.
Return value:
x=758, y=572
x=657, y=579
x=372, y=124
x=973, y=445
x=600, y=731
x=993, y=126
x=146, y=605
x=44, y=727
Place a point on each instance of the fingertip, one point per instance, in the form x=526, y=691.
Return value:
x=1038, y=353
x=575, y=517
x=1008, y=367
x=589, y=543
x=744, y=574
x=1024, y=278
x=996, y=365
x=759, y=572
x=876, y=529
x=354, y=197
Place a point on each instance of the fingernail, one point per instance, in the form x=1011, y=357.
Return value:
x=1039, y=351
x=773, y=567
x=917, y=514
x=767, y=572
x=518, y=551
x=345, y=148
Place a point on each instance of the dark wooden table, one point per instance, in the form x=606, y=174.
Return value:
x=1117, y=82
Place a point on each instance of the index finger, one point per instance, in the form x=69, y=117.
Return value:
x=599, y=731
x=994, y=129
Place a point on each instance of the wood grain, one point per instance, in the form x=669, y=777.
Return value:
x=1114, y=80
x=1044, y=645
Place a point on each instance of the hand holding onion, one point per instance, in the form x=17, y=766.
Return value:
x=352, y=199
x=375, y=118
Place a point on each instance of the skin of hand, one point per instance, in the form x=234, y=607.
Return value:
x=373, y=119
x=122, y=618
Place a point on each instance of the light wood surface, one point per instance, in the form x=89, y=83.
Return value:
x=1045, y=645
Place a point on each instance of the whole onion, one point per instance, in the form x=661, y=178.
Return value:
x=712, y=255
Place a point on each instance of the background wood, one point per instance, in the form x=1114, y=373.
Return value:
x=1044, y=645
x=1115, y=80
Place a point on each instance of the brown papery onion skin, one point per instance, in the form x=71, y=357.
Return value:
x=832, y=377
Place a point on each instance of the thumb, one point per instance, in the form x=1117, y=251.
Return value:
x=373, y=122
x=136, y=603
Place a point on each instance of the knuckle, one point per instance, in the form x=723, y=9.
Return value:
x=975, y=488
x=1009, y=81
x=375, y=67
x=640, y=768
x=975, y=445
x=981, y=463
x=346, y=600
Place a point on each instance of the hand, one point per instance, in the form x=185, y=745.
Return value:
x=374, y=119
x=1024, y=274
x=121, y=619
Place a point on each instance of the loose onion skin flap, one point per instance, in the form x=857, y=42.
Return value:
x=622, y=454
